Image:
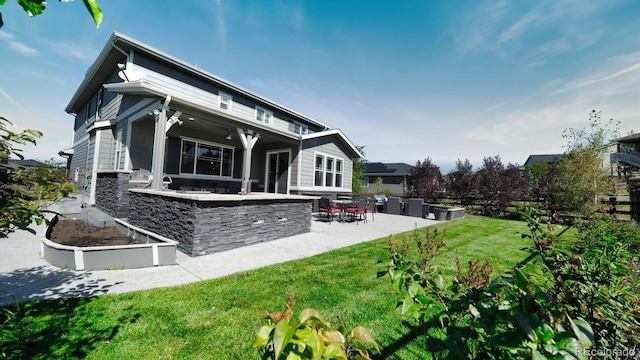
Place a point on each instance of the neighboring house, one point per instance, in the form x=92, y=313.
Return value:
x=142, y=111
x=392, y=174
x=627, y=154
x=549, y=159
x=15, y=164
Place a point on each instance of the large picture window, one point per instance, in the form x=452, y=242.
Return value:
x=206, y=159
x=328, y=171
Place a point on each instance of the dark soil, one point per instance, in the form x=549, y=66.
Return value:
x=79, y=233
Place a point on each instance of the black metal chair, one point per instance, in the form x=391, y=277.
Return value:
x=324, y=207
x=358, y=213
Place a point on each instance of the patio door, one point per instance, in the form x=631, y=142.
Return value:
x=278, y=172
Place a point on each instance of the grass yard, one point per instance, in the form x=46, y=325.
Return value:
x=218, y=319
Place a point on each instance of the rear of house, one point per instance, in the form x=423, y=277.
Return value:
x=140, y=112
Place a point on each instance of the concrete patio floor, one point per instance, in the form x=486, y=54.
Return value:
x=24, y=275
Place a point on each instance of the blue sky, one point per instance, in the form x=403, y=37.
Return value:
x=407, y=79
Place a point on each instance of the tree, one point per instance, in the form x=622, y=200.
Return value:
x=36, y=7
x=544, y=184
x=357, y=178
x=581, y=176
x=23, y=192
x=461, y=181
x=489, y=184
x=498, y=186
x=425, y=181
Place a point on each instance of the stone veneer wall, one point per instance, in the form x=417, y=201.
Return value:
x=203, y=227
x=112, y=192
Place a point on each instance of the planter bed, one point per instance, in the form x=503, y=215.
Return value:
x=447, y=213
x=156, y=250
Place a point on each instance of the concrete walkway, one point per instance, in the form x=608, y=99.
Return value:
x=24, y=275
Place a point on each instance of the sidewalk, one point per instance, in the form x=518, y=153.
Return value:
x=24, y=275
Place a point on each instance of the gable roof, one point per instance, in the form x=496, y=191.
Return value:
x=633, y=138
x=386, y=169
x=552, y=159
x=22, y=164
x=115, y=51
x=337, y=133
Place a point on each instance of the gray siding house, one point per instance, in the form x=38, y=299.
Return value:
x=393, y=177
x=166, y=123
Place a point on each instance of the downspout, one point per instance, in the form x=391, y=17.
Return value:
x=159, y=140
x=128, y=55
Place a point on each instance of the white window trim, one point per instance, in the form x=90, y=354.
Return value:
x=204, y=142
x=290, y=166
x=222, y=95
x=324, y=171
x=266, y=113
x=119, y=150
x=99, y=100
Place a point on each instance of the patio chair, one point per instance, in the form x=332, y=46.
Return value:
x=370, y=208
x=358, y=213
x=324, y=207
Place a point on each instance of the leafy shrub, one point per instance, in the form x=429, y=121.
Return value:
x=513, y=316
x=23, y=192
x=594, y=279
x=310, y=337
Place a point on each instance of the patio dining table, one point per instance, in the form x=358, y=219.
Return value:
x=343, y=204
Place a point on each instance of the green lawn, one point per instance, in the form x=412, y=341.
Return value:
x=218, y=319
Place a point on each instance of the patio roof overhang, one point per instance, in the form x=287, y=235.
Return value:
x=229, y=119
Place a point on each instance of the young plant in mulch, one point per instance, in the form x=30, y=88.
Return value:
x=310, y=337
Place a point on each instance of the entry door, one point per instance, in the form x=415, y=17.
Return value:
x=278, y=168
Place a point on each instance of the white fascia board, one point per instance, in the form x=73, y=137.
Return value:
x=92, y=70
x=333, y=132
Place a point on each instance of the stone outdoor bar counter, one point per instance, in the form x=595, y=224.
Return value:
x=204, y=223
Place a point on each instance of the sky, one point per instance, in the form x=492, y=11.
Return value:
x=409, y=80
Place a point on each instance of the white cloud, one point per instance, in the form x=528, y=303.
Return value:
x=222, y=27
x=293, y=14
x=18, y=46
x=76, y=51
x=10, y=99
x=550, y=29
x=583, y=83
x=478, y=26
x=520, y=26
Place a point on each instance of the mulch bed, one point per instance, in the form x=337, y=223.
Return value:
x=79, y=233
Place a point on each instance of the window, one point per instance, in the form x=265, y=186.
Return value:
x=206, y=159
x=263, y=115
x=319, y=171
x=298, y=128
x=119, y=152
x=224, y=100
x=328, y=171
x=99, y=98
x=87, y=113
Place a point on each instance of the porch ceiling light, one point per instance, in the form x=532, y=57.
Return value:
x=228, y=137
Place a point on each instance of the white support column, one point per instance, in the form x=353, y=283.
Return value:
x=248, y=139
x=94, y=167
x=159, y=140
